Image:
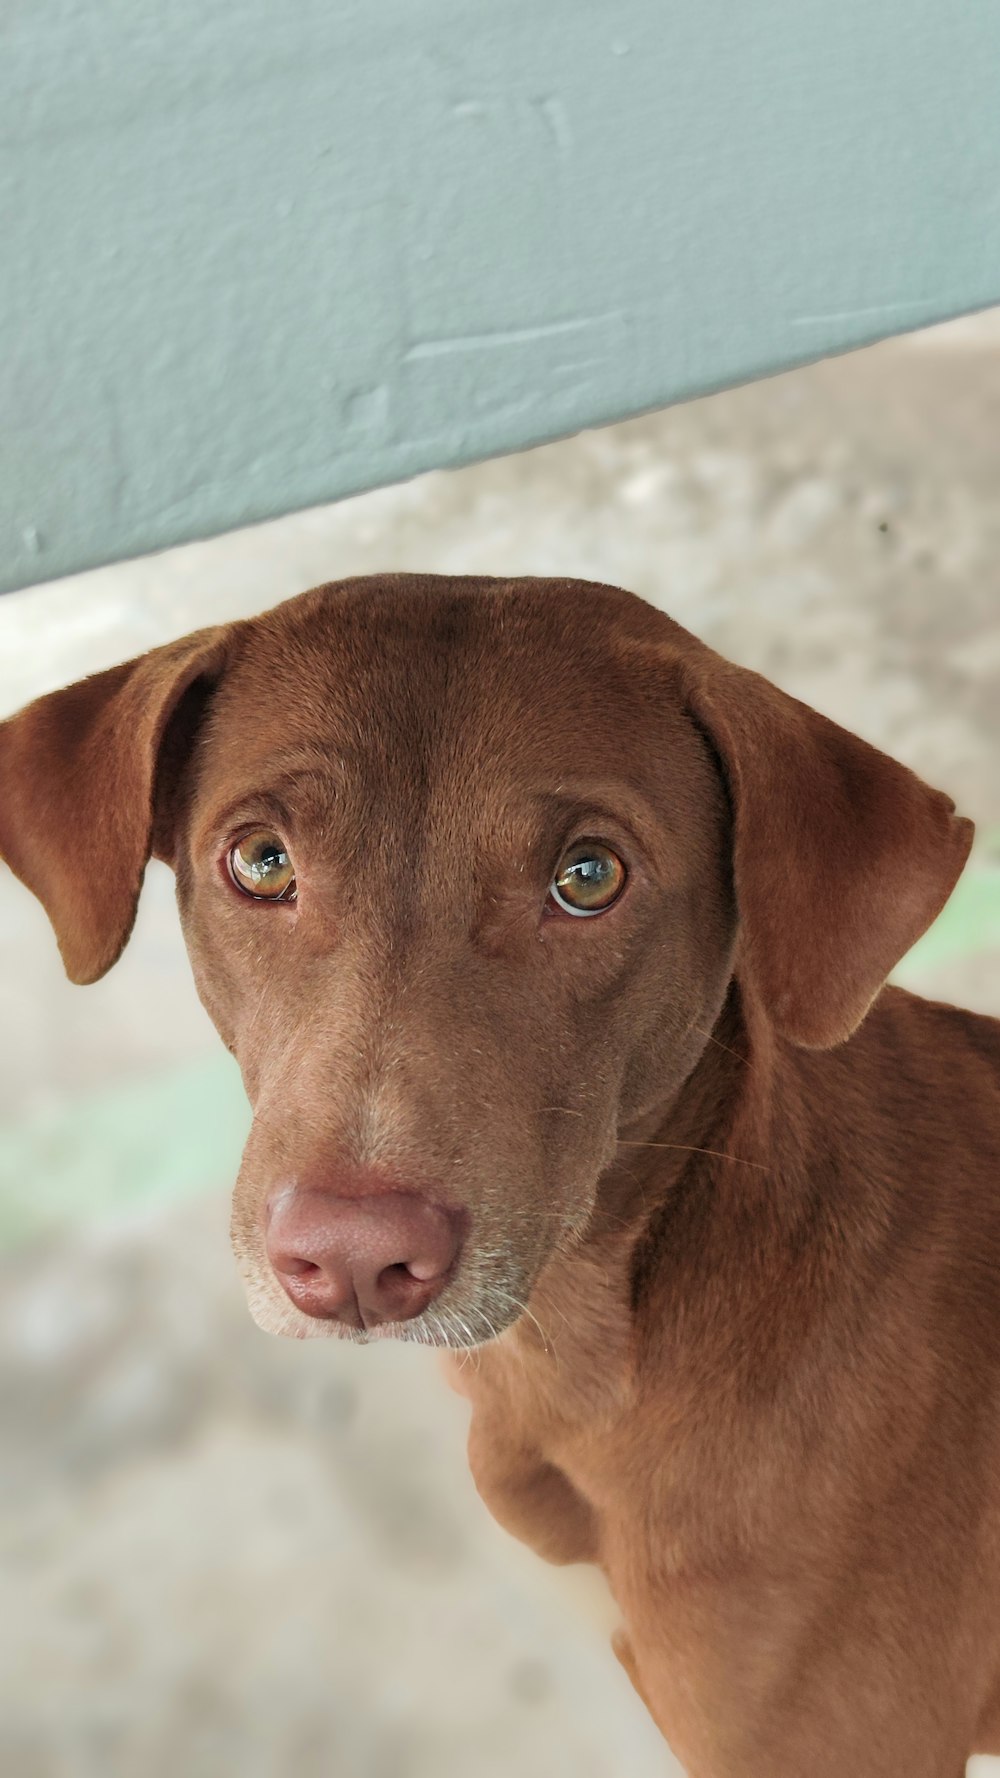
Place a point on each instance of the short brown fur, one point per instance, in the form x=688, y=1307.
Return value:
x=730, y=1295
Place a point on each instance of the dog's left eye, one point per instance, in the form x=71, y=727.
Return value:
x=589, y=878
x=261, y=867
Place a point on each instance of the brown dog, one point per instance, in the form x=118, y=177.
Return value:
x=552, y=949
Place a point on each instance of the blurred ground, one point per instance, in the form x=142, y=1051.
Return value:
x=225, y=1555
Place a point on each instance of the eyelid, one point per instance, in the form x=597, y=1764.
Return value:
x=257, y=812
x=235, y=830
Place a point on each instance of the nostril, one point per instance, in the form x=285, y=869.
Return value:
x=410, y=1271
x=294, y=1266
x=420, y=1270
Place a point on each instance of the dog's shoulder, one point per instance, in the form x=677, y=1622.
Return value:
x=939, y=1027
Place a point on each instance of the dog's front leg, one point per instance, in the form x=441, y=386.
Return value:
x=531, y=1498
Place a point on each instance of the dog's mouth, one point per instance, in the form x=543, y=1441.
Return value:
x=442, y=1328
x=460, y=1325
x=475, y=1303
x=462, y=1329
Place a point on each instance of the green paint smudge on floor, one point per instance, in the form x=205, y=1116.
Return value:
x=100, y=1153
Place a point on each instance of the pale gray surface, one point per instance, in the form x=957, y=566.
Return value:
x=259, y=255
x=228, y=1558
x=229, y=1555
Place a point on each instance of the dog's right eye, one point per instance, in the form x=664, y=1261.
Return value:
x=589, y=879
x=260, y=866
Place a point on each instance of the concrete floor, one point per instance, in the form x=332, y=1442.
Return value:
x=221, y=1554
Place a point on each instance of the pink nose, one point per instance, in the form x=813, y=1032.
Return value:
x=360, y=1260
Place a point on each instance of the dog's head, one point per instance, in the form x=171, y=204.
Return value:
x=466, y=869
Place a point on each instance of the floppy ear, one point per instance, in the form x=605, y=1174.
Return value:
x=77, y=783
x=842, y=857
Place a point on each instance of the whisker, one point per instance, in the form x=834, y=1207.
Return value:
x=435, y=1326
x=446, y=1327
x=723, y=1046
x=523, y=1309
x=688, y=1148
x=470, y=1338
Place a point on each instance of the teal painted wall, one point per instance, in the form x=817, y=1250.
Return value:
x=256, y=256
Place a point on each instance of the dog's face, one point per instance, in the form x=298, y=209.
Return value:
x=465, y=870
x=497, y=927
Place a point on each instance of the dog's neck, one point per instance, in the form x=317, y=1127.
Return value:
x=711, y=1208
x=715, y=1108
x=576, y=1349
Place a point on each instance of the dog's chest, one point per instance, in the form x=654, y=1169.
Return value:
x=560, y=1385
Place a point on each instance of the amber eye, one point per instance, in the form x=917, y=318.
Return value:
x=261, y=867
x=590, y=877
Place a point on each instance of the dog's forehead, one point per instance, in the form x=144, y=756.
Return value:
x=412, y=669
x=378, y=628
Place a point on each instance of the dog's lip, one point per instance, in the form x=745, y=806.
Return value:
x=407, y=1333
